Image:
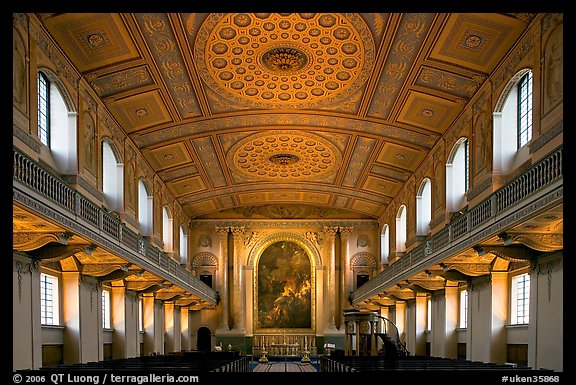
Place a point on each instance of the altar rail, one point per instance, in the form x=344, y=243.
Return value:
x=284, y=344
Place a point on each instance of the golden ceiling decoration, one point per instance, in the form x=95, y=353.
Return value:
x=284, y=60
x=377, y=91
x=284, y=155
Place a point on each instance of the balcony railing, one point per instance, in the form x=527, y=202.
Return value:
x=539, y=176
x=30, y=174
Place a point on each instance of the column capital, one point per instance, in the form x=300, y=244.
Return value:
x=345, y=232
x=222, y=232
x=238, y=232
x=330, y=232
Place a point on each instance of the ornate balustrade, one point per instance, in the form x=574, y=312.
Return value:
x=543, y=177
x=37, y=187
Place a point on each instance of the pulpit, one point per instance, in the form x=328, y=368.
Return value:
x=361, y=328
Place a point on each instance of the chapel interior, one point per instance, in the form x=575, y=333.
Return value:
x=297, y=185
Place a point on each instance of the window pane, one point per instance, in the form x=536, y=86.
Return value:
x=43, y=109
x=47, y=305
x=525, y=109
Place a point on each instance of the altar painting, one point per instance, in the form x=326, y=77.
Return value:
x=284, y=287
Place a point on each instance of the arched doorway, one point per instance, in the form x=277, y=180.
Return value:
x=204, y=339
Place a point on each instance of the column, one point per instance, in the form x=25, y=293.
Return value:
x=237, y=288
x=170, y=327
x=82, y=317
x=330, y=256
x=124, y=308
x=223, y=278
x=421, y=314
x=149, y=316
x=500, y=295
x=445, y=323
x=346, y=280
x=385, y=326
x=184, y=329
x=26, y=328
x=401, y=320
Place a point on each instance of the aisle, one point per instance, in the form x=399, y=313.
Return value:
x=283, y=366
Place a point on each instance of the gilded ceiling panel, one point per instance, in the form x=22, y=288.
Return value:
x=235, y=108
x=164, y=47
x=168, y=175
x=168, y=156
x=448, y=82
x=186, y=186
x=210, y=161
x=296, y=60
x=358, y=160
x=199, y=208
x=400, y=156
x=409, y=38
x=272, y=119
x=476, y=41
x=284, y=155
x=429, y=112
x=381, y=186
x=367, y=207
x=93, y=40
x=140, y=111
x=122, y=81
x=252, y=198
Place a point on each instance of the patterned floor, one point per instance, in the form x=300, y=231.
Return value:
x=282, y=366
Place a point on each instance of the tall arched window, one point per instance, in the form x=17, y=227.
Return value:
x=183, y=245
x=424, y=208
x=167, y=230
x=145, y=208
x=384, y=245
x=513, y=123
x=112, y=178
x=457, y=176
x=57, y=123
x=401, y=229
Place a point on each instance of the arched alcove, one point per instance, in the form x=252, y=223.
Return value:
x=284, y=296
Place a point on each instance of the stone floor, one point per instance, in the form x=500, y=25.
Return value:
x=285, y=366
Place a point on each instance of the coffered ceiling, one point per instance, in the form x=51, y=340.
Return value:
x=334, y=110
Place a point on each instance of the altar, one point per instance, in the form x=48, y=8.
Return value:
x=284, y=345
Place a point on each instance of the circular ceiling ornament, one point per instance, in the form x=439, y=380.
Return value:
x=284, y=60
x=284, y=155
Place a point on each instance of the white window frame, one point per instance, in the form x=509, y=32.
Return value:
x=520, y=299
x=106, y=309
x=49, y=301
x=140, y=314
x=463, y=309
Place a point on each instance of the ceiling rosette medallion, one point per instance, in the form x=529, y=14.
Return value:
x=294, y=60
x=284, y=155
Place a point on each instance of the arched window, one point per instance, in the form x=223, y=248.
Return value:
x=401, y=229
x=167, y=230
x=183, y=245
x=457, y=176
x=57, y=124
x=424, y=207
x=384, y=245
x=145, y=208
x=44, y=109
x=112, y=178
x=513, y=124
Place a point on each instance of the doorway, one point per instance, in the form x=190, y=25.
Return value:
x=204, y=339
